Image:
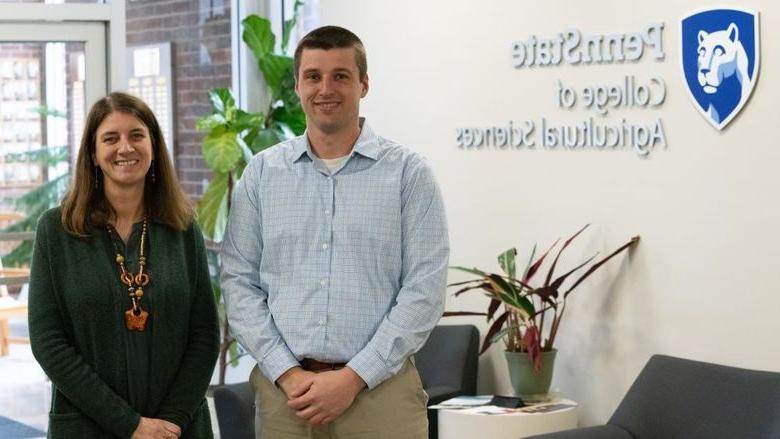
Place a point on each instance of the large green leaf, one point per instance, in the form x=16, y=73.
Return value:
x=526, y=305
x=221, y=150
x=507, y=262
x=245, y=120
x=294, y=118
x=258, y=36
x=221, y=99
x=502, y=284
x=266, y=139
x=248, y=137
x=274, y=68
x=509, y=295
x=212, y=208
x=210, y=122
x=245, y=151
x=286, y=92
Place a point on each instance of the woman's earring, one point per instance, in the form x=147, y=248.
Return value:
x=97, y=177
x=153, y=176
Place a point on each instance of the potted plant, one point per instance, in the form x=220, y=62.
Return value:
x=234, y=136
x=532, y=311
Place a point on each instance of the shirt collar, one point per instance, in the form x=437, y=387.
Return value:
x=366, y=144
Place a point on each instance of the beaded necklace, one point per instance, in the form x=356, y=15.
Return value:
x=135, y=317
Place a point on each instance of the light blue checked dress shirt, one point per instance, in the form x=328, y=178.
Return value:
x=348, y=266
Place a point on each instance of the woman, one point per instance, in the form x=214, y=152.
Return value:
x=121, y=312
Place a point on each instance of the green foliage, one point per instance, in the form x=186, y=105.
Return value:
x=45, y=110
x=39, y=199
x=522, y=324
x=221, y=150
x=212, y=208
x=47, y=156
x=235, y=135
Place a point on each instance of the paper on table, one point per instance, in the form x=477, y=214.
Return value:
x=460, y=402
x=533, y=409
x=479, y=405
x=546, y=408
x=489, y=410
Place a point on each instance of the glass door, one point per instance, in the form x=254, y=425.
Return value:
x=50, y=72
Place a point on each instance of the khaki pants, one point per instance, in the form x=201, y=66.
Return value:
x=395, y=409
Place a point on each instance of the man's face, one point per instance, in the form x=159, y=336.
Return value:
x=330, y=89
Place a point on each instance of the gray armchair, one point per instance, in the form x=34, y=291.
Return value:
x=447, y=364
x=674, y=398
x=235, y=406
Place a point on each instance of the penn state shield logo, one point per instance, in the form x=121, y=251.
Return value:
x=720, y=61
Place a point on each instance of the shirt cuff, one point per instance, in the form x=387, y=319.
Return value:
x=277, y=362
x=370, y=367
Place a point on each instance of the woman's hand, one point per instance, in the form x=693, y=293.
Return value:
x=149, y=428
x=171, y=428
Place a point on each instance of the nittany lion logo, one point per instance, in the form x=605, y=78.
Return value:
x=720, y=61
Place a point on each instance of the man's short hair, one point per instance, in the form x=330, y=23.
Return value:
x=332, y=37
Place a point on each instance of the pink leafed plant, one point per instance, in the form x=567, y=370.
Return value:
x=531, y=315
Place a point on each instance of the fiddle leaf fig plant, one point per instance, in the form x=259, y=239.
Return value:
x=234, y=135
x=531, y=314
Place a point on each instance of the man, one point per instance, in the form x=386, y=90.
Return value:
x=335, y=261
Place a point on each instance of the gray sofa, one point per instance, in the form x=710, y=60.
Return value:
x=675, y=398
x=447, y=364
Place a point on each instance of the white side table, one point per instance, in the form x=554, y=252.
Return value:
x=463, y=424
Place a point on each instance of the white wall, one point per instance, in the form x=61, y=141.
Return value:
x=703, y=282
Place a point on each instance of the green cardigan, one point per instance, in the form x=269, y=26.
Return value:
x=104, y=376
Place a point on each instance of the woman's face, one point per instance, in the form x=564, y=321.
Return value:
x=123, y=150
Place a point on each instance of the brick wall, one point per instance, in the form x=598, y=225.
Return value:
x=199, y=32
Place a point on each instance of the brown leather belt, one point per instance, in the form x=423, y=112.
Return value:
x=316, y=366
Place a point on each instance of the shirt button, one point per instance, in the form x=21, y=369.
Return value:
x=327, y=212
x=322, y=283
x=321, y=322
x=325, y=246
